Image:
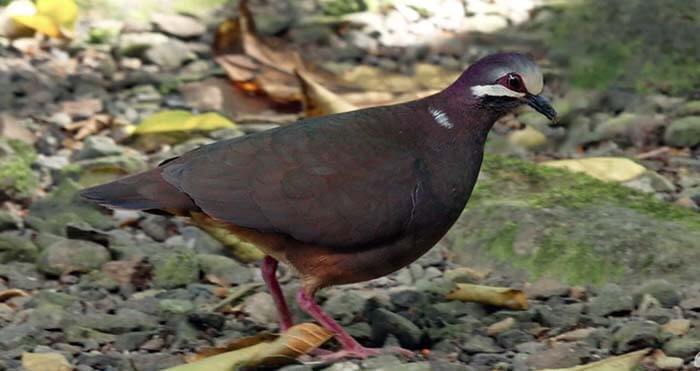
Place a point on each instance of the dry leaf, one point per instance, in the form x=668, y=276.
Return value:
x=611, y=169
x=12, y=293
x=182, y=121
x=54, y=18
x=298, y=340
x=254, y=65
x=496, y=296
x=230, y=346
x=319, y=101
x=500, y=326
x=45, y=362
x=625, y=362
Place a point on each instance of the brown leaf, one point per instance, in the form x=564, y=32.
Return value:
x=319, y=101
x=230, y=346
x=12, y=293
x=298, y=340
x=249, y=60
x=496, y=296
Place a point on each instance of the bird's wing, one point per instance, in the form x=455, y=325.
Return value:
x=319, y=184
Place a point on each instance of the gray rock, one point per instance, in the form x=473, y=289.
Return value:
x=125, y=320
x=685, y=347
x=18, y=336
x=560, y=355
x=683, y=132
x=612, y=300
x=83, y=335
x=662, y=290
x=23, y=276
x=344, y=306
x=170, y=307
x=179, y=25
x=169, y=55
x=691, y=108
x=510, y=338
x=635, y=335
x=8, y=220
x=480, y=344
x=546, y=287
x=98, y=146
x=175, y=269
x=15, y=248
x=561, y=316
x=135, y=44
x=156, y=227
x=225, y=269
x=67, y=256
x=49, y=317
x=131, y=340
x=155, y=361
x=385, y=323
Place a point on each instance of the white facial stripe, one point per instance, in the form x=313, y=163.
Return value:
x=495, y=90
x=441, y=118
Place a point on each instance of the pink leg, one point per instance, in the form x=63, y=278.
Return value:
x=269, y=270
x=351, y=348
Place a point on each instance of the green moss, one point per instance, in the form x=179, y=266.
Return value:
x=17, y=179
x=176, y=270
x=638, y=44
x=548, y=187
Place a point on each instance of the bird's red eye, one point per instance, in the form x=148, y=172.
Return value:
x=513, y=81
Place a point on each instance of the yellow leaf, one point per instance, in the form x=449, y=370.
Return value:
x=496, y=296
x=45, y=362
x=182, y=121
x=318, y=100
x=625, y=362
x=47, y=16
x=609, y=169
x=298, y=340
x=63, y=12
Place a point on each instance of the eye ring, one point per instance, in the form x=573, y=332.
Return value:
x=514, y=82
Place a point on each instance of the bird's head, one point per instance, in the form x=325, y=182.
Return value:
x=504, y=81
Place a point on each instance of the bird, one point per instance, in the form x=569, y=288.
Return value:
x=347, y=197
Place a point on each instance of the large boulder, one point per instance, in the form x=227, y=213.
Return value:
x=532, y=220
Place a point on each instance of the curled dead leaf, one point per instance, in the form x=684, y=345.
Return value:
x=256, y=351
x=12, y=293
x=624, y=362
x=497, y=296
x=318, y=100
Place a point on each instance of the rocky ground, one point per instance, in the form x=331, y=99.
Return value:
x=128, y=291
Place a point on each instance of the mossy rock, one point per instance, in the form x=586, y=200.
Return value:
x=62, y=207
x=546, y=221
x=17, y=179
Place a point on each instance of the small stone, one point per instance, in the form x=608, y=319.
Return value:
x=500, y=326
x=386, y=323
x=169, y=307
x=635, y=335
x=45, y=362
x=510, y=338
x=169, y=55
x=676, y=326
x=225, y=269
x=135, y=44
x=662, y=290
x=689, y=108
x=545, y=288
x=67, y=256
x=560, y=355
x=480, y=344
x=611, y=301
x=343, y=366
x=175, y=269
x=528, y=138
x=683, y=132
x=692, y=304
x=205, y=320
x=179, y=25
x=132, y=340
x=83, y=108
x=260, y=308
x=563, y=316
x=98, y=146
x=17, y=248
x=684, y=347
x=664, y=362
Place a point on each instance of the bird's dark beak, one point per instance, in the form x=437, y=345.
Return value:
x=542, y=105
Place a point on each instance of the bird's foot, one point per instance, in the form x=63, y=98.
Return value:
x=362, y=353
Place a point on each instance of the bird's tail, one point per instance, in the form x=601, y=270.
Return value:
x=143, y=191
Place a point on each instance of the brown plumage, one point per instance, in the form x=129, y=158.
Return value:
x=347, y=197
